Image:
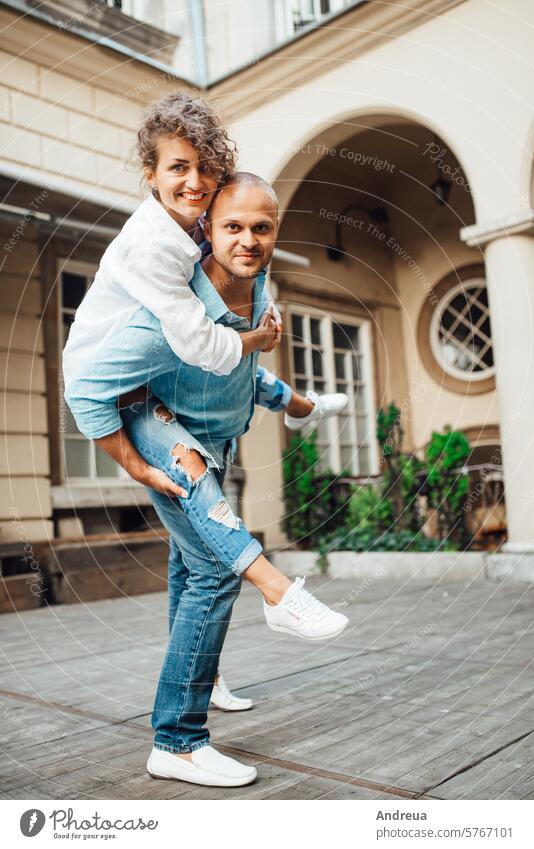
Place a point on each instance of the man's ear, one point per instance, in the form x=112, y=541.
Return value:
x=207, y=229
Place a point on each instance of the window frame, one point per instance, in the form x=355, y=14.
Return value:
x=284, y=17
x=330, y=380
x=478, y=281
x=88, y=270
x=432, y=299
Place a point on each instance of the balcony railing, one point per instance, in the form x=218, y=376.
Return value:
x=108, y=19
x=199, y=41
x=484, y=506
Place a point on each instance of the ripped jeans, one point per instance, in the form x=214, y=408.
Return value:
x=216, y=549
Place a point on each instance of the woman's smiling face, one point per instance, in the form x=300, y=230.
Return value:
x=184, y=184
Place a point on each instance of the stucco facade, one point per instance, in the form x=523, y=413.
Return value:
x=378, y=82
x=438, y=83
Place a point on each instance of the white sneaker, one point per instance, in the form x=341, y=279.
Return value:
x=324, y=407
x=222, y=698
x=300, y=613
x=208, y=767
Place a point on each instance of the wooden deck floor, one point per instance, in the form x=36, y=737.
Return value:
x=430, y=693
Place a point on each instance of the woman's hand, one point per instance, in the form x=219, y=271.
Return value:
x=274, y=332
x=273, y=312
x=275, y=343
x=263, y=338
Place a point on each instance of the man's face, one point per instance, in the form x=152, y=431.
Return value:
x=242, y=229
x=184, y=183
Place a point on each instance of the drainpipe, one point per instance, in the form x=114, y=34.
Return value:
x=197, y=28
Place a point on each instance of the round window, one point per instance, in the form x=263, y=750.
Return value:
x=460, y=332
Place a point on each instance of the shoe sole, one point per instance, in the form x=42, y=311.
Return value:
x=316, y=420
x=231, y=709
x=293, y=633
x=228, y=783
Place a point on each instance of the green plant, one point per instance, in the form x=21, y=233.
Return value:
x=313, y=505
x=388, y=516
x=390, y=540
x=446, y=486
x=371, y=526
x=401, y=471
x=390, y=434
x=411, y=471
x=369, y=510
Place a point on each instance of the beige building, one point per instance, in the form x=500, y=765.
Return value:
x=399, y=139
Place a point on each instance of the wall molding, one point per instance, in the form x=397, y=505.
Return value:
x=478, y=235
x=74, y=55
x=349, y=35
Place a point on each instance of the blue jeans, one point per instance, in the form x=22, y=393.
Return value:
x=209, y=550
x=202, y=593
x=205, y=506
x=215, y=552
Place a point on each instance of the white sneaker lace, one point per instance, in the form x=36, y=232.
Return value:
x=303, y=604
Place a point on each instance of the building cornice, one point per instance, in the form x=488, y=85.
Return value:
x=478, y=235
x=349, y=35
x=73, y=53
x=341, y=38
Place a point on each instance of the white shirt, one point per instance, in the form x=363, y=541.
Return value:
x=150, y=262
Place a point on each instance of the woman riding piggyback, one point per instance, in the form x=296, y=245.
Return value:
x=185, y=154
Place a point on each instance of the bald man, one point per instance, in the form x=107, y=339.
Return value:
x=185, y=425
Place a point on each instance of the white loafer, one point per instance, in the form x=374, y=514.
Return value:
x=222, y=698
x=208, y=767
x=324, y=407
x=300, y=613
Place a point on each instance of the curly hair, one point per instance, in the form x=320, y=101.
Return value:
x=191, y=118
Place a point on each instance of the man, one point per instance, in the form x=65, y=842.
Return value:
x=185, y=427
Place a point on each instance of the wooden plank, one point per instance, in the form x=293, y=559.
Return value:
x=110, y=582
x=107, y=570
x=21, y=592
x=24, y=454
x=21, y=333
x=29, y=726
x=20, y=294
x=22, y=372
x=22, y=258
x=35, y=530
x=23, y=413
x=507, y=774
x=52, y=341
x=322, y=788
x=25, y=497
x=406, y=715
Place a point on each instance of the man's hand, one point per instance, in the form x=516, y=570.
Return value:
x=158, y=480
x=119, y=447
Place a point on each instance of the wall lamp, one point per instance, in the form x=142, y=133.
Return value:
x=378, y=214
x=441, y=189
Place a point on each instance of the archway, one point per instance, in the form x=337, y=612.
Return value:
x=375, y=205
